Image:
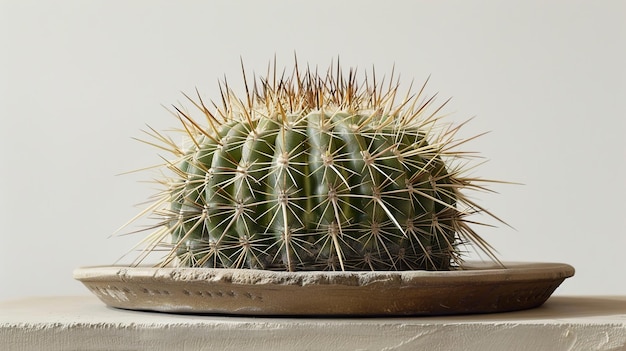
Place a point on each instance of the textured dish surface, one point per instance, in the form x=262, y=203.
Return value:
x=480, y=288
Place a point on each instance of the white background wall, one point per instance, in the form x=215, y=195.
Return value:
x=80, y=78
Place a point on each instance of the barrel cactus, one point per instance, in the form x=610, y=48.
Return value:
x=315, y=171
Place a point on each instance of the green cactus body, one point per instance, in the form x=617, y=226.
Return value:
x=314, y=173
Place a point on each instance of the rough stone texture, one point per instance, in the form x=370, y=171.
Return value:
x=84, y=323
x=252, y=292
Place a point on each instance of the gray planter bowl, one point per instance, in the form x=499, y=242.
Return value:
x=480, y=288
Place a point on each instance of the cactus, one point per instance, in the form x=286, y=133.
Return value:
x=316, y=172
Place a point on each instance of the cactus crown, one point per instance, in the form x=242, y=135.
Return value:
x=315, y=172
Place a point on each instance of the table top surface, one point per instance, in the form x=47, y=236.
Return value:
x=564, y=323
x=88, y=309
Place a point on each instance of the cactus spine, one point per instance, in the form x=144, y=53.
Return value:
x=316, y=172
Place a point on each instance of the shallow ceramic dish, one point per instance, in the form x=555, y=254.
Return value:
x=480, y=288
